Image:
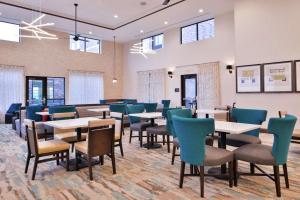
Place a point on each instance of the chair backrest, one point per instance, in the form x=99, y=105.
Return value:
x=61, y=109
x=100, y=138
x=191, y=134
x=120, y=108
x=103, y=101
x=130, y=101
x=282, y=113
x=150, y=107
x=14, y=107
x=282, y=129
x=119, y=117
x=31, y=136
x=186, y=113
x=62, y=116
x=249, y=116
x=166, y=103
x=135, y=109
x=31, y=110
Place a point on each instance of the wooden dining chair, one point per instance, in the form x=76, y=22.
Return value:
x=100, y=142
x=38, y=149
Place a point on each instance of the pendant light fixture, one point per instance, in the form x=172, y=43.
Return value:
x=115, y=80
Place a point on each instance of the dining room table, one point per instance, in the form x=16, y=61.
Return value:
x=100, y=110
x=149, y=116
x=77, y=124
x=208, y=112
x=223, y=128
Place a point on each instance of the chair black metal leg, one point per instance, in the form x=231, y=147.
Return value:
x=90, y=167
x=27, y=163
x=73, y=145
x=130, y=136
x=121, y=148
x=182, y=168
x=164, y=140
x=286, y=177
x=35, y=167
x=101, y=158
x=113, y=161
x=68, y=160
x=173, y=155
x=57, y=159
x=277, y=180
x=192, y=169
x=148, y=141
x=141, y=138
x=202, y=180
x=168, y=143
x=235, y=171
x=230, y=173
x=252, y=168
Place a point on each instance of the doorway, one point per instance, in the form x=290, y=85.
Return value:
x=189, y=90
x=45, y=91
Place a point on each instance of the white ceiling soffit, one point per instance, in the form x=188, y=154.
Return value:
x=101, y=12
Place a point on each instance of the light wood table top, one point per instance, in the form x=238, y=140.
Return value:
x=234, y=128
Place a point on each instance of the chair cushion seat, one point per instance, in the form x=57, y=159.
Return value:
x=158, y=130
x=82, y=147
x=238, y=140
x=141, y=126
x=296, y=134
x=52, y=146
x=255, y=153
x=209, y=141
x=217, y=156
x=69, y=136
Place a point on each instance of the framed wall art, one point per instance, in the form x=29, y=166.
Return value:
x=248, y=79
x=278, y=77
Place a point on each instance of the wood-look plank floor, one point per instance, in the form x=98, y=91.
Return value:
x=141, y=174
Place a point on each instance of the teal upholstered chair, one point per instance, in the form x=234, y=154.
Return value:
x=248, y=116
x=130, y=101
x=103, y=101
x=31, y=112
x=191, y=133
x=166, y=103
x=150, y=107
x=275, y=155
x=187, y=113
x=136, y=124
x=61, y=109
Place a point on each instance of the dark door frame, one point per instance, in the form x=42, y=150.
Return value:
x=183, y=78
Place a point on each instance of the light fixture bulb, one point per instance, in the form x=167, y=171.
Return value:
x=166, y=22
x=116, y=16
x=141, y=31
x=114, y=80
x=201, y=10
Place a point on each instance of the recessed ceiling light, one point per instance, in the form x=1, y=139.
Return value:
x=116, y=16
x=90, y=32
x=141, y=31
x=166, y=22
x=200, y=10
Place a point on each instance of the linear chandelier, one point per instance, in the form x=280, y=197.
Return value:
x=36, y=29
x=138, y=49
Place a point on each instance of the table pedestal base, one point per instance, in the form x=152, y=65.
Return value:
x=81, y=164
x=152, y=146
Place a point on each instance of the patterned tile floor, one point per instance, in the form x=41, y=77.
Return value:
x=141, y=174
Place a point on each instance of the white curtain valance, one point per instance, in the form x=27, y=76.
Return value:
x=208, y=85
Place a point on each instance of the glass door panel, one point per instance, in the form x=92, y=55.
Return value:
x=35, y=91
x=189, y=90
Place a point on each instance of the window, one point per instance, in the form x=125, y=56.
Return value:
x=9, y=32
x=85, y=87
x=153, y=43
x=189, y=34
x=55, y=91
x=85, y=44
x=200, y=31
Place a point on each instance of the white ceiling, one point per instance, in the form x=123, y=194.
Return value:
x=102, y=12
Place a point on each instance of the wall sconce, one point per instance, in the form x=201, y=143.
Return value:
x=170, y=74
x=229, y=68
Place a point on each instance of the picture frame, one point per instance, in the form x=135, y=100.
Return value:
x=278, y=77
x=297, y=76
x=249, y=78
